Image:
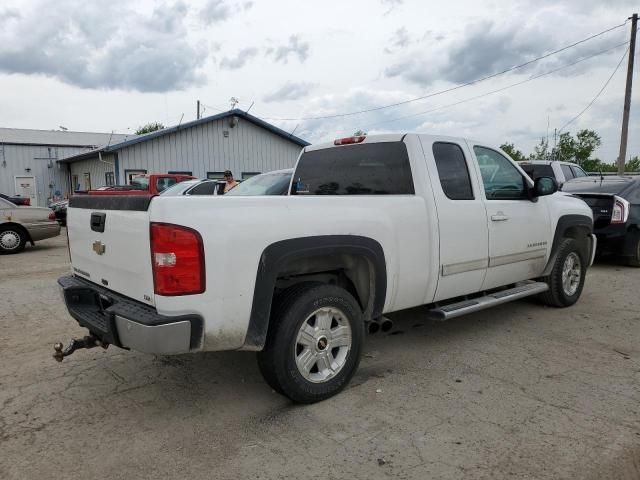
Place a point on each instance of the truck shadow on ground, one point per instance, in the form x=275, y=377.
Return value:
x=232, y=381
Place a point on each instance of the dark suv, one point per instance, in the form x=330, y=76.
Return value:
x=615, y=202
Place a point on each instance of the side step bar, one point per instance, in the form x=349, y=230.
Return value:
x=458, y=309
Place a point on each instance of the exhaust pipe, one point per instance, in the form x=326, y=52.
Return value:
x=386, y=324
x=374, y=326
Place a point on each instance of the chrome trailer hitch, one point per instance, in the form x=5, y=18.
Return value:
x=88, y=341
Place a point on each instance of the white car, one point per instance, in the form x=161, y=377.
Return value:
x=371, y=225
x=561, y=171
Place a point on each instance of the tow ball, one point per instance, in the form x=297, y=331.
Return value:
x=88, y=341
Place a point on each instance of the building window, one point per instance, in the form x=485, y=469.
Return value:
x=215, y=175
x=129, y=174
x=87, y=181
x=109, y=179
x=176, y=172
x=246, y=175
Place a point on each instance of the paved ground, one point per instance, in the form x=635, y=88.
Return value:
x=520, y=391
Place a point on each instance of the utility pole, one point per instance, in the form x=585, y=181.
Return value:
x=627, y=96
x=198, y=110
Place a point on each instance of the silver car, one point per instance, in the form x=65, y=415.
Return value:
x=19, y=225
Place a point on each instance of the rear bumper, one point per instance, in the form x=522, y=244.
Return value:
x=43, y=230
x=126, y=323
x=615, y=240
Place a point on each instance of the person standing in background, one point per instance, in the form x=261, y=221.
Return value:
x=230, y=183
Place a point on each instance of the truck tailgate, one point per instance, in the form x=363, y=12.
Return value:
x=109, y=243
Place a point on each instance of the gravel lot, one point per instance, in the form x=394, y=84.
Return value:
x=519, y=391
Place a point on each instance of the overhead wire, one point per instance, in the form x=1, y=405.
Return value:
x=476, y=97
x=450, y=89
x=597, y=94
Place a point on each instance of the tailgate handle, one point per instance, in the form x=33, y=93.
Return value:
x=97, y=221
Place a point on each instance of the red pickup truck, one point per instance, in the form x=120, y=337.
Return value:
x=147, y=184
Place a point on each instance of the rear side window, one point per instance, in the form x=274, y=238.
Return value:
x=365, y=169
x=164, y=183
x=578, y=172
x=566, y=170
x=542, y=171
x=453, y=171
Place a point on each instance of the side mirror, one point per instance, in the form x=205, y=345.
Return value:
x=544, y=186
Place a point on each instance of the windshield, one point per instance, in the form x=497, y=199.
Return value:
x=141, y=183
x=265, y=184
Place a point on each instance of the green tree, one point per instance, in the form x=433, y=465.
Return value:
x=541, y=150
x=565, y=149
x=513, y=152
x=632, y=165
x=587, y=141
x=149, y=127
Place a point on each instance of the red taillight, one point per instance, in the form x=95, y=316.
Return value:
x=349, y=140
x=52, y=216
x=620, y=213
x=177, y=259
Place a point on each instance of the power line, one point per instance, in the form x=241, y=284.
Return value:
x=451, y=89
x=535, y=77
x=598, y=94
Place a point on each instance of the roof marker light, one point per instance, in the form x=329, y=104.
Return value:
x=349, y=140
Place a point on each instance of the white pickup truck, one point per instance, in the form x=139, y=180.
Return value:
x=371, y=225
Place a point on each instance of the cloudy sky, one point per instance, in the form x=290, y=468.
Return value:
x=114, y=65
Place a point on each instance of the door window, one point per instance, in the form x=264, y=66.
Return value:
x=501, y=179
x=87, y=181
x=566, y=170
x=204, y=188
x=76, y=183
x=453, y=171
x=109, y=180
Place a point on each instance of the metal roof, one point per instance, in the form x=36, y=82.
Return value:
x=166, y=131
x=23, y=136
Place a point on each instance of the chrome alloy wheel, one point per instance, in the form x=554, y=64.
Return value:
x=9, y=240
x=571, y=272
x=323, y=344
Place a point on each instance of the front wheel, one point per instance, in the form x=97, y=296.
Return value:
x=314, y=343
x=566, y=279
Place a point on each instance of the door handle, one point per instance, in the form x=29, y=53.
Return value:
x=499, y=217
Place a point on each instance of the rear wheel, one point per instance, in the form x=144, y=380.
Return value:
x=12, y=240
x=567, y=275
x=314, y=343
x=634, y=259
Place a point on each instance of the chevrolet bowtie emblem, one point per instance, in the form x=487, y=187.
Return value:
x=99, y=247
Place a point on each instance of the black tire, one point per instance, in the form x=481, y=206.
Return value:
x=557, y=296
x=12, y=240
x=634, y=259
x=277, y=362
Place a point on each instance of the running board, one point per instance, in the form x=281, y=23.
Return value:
x=473, y=305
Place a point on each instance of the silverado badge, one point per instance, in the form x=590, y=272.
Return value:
x=99, y=247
